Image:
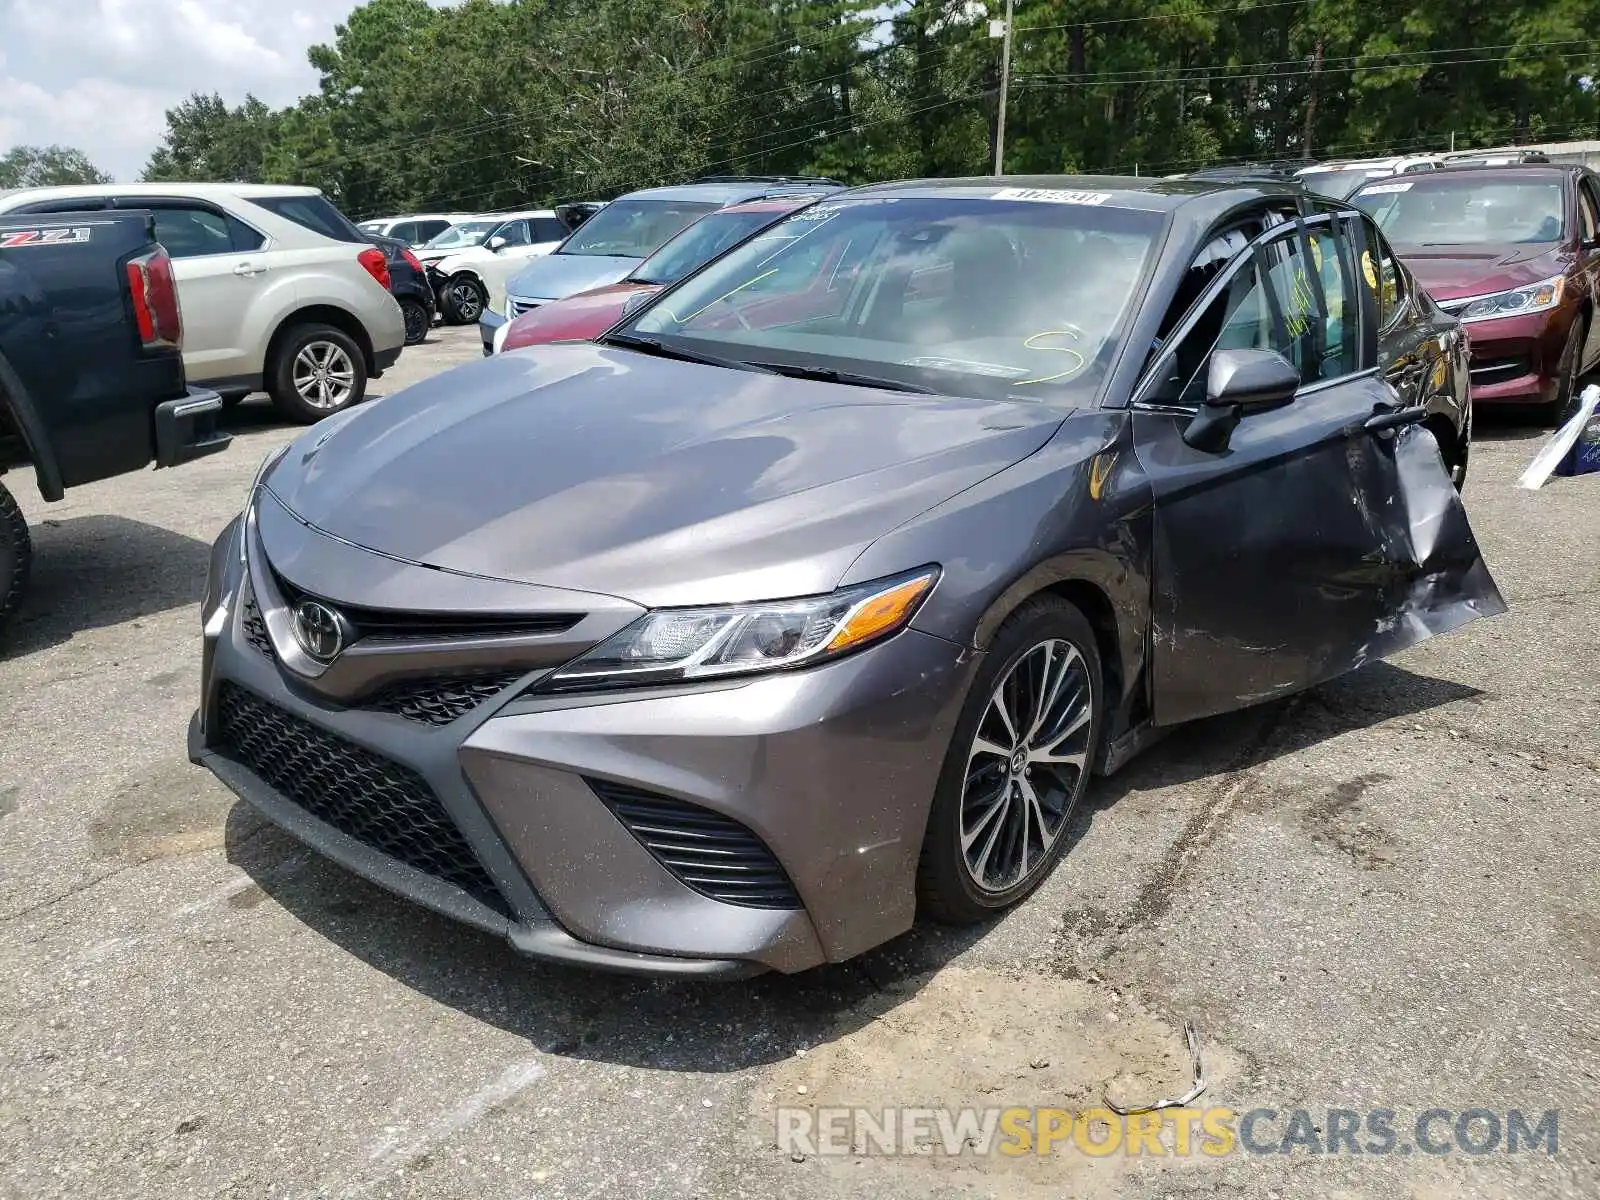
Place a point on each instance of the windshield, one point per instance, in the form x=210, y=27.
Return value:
x=700, y=243
x=1339, y=184
x=468, y=233
x=1466, y=210
x=974, y=296
x=633, y=228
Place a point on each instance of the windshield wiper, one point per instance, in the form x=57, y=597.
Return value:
x=832, y=375
x=656, y=346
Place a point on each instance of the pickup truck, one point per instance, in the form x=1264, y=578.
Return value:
x=91, y=367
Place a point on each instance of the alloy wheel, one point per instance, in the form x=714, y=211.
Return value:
x=324, y=376
x=467, y=305
x=1027, y=766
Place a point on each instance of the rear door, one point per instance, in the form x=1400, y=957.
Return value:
x=1326, y=532
x=221, y=266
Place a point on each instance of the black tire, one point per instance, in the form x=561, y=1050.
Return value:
x=418, y=321
x=1563, y=403
x=346, y=379
x=947, y=889
x=16, y=556
x=463, y=300
x=229, y=403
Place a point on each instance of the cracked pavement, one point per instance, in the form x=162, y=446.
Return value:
x=1376, y=894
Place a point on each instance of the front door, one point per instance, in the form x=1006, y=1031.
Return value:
x=1311, y=542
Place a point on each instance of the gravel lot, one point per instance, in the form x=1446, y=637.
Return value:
x=1379, y=894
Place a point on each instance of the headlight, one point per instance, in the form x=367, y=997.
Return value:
x=1536, y=297
x=500, y=335
x=677, y=644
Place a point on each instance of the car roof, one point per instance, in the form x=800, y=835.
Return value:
x=1125, y=191
x=725, y=192
x=245, y=191
x=1511, y=170
x=517, y=215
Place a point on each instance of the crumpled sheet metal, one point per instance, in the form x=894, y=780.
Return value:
x=1448, y=583
x=1170, y=1101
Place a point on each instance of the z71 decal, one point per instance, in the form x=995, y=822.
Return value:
x=44, y=237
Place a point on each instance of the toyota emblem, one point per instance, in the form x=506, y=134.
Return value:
x=319, y=630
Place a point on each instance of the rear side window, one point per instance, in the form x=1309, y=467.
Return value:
x=406, y=231
x=428, y=230
x=192, y=232
x=313, y=213
x=548, y=229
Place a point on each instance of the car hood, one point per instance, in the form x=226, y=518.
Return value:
x=604, y=470
x=1451, y=272
x=557, y=276
x=584, y=316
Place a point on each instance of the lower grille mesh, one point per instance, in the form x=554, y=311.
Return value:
x=708, y=852
x=255, y=628
x=376, y=801
x=440, y=701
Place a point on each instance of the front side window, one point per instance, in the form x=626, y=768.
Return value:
x=405, y=231
x=969, y=295
x=427, y=230
x=1468, y=208
x=633, y=228
x=515, y=233
x=1292, y=296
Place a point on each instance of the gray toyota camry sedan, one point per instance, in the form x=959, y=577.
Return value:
x=812, y=595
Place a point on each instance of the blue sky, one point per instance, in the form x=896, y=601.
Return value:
x=100, y=74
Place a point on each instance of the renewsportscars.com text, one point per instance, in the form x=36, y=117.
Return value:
x=1212, y=1131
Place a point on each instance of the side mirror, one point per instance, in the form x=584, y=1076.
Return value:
x=497, y=243
x=1238, y=383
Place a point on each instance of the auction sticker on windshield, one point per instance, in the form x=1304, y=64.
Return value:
x=1052, y=196
x=1384, y=189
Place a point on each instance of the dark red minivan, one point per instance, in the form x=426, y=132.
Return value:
x=1514, y=251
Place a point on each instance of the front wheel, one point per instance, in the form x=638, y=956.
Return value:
x=316, y=371
x=464, y=299
x=1018, y=764
x=16, y=555
x=418, y=321
x=1567, y=372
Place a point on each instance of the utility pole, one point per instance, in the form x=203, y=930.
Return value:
x=1005, y=79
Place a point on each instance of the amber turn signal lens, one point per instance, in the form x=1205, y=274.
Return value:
x=883, y=613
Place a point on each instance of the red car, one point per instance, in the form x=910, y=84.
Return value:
x=589, y=314
x=1514, y=251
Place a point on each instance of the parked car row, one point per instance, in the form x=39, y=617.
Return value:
x=281, y=293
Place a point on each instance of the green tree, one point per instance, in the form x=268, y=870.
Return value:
x=206, y=141
x=47, y=166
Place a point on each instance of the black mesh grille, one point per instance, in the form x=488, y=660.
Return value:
x=378, y=802
x=439, y=701
x=711, y=853
x=255, y=628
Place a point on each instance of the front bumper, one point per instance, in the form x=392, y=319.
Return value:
x=1517, y=360
x=186, y=428
x=831, y=771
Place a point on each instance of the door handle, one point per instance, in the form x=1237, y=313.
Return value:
x=1394, y=418
x=247, y=269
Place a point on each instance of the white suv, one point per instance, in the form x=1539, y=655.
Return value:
x=280, y=292
x=473, y=279
x=414, y=229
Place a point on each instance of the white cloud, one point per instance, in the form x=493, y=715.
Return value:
x=100, y=74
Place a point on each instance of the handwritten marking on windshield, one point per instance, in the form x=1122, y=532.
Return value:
x=1029, y=344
